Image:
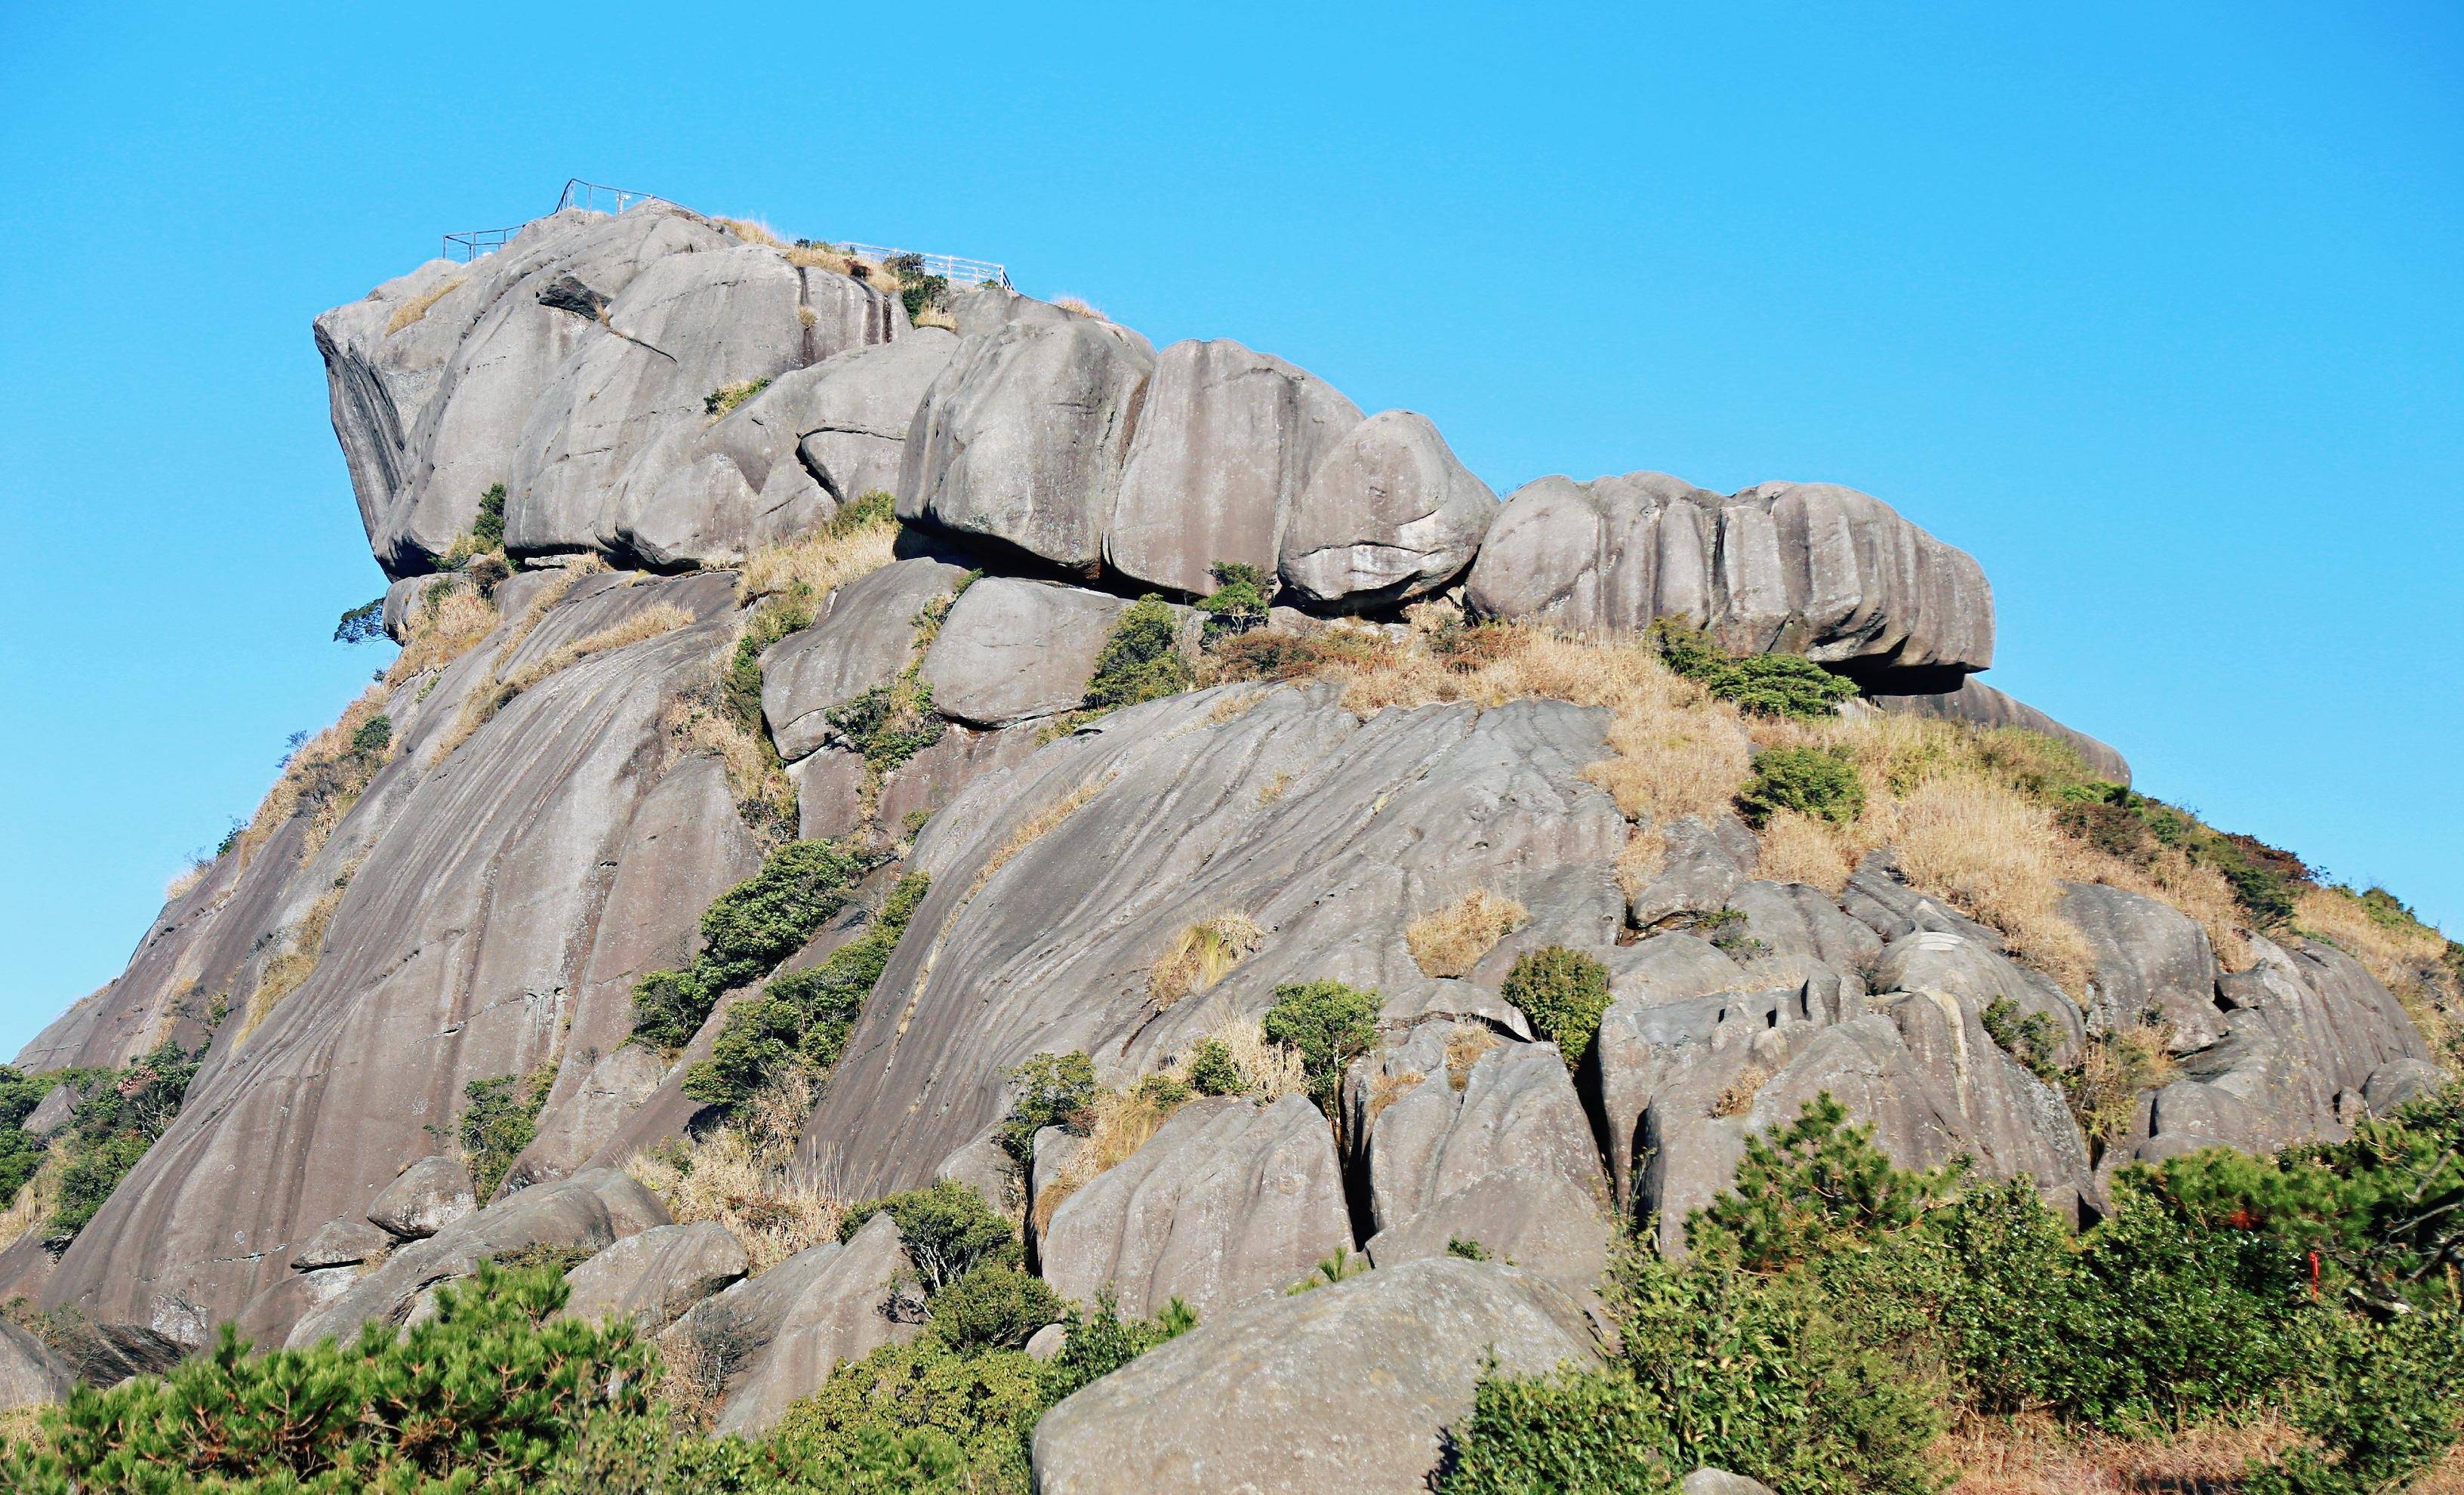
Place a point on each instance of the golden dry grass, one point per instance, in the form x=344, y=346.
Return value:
x=1739, y=1096
x=416, y=307
x=1077, y=306
x=741, y=1175
x=1269, y=1071
x=1641, y=860
x=1451, y=941
x=2033, y=1456
x=935, y=317
x=1122, y=1121
x=1800, y=848
x=36, y=1198
x=1385, y=1089
x=820, y=561
x=694, y=723
x=325, y=775
x=647, y=624
x=185, y=880
x=2113, y=1070
x=443, y=633
x=1042, y=823
x=1200, y=956
x=285, y=972
x=1463, y=1047
x=752, y=231
x=819, y=257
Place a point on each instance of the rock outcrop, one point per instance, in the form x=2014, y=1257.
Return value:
x=652, y=1277
x=1389, y=514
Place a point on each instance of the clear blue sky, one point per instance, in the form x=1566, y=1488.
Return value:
x=2157, y=308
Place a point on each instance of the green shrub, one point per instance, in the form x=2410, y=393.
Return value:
x=1100, y=1341
x=484, y=1395
x=1468, y=1250
x=1596, y=1432
x=374, y=735
x=1810, y=1187
x=1816, y=782
x=724, y=400
x=1212, y=1071
x=1563, y=992
x=489, y=528
x=1329, y=1024
x=2266, y=880
x=1766, y=685
x=1052, y=1091
x=2031, y=1040
x=1141, y=660
x=948, y=1230
x=361, y=624
x=746, y=930
x=995, y=1306
x=119, y=1114
x=917, y=289
x=1238, y=601
x=801, y=1019
x=500, y=1118
x=890, y=723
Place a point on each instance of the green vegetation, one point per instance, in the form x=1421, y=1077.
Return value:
x=947, y=1228
x=500, y=1118
x=722, y=401
x=1563, y=992
x=890, y=723
x=801, y=1019
x=373, y=736
x=1141, y=660
x=1765, y=685
x=1053, y=1090
x=2266, y=880
x=119, y=1113
x=1212, y=1071
x=489, y=528
x=1329, y=1024
x=917, y=291
x=1837, y=1312
x=2031, y=1040
x=361, y=624
x=1239, y=599
x=748, y=929
x=1816, y=782
x=1468, y=1250
x=1340, y=1266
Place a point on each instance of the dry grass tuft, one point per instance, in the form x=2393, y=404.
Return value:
x=1269, y=1071
x=1077, y=307
x=1274, y=788
x=442, y=632
x=741, y=1175
x=1800, y=848
x=2113, y=1070
x=285, y=972
x=185, y=880
x=752, y=231
x=822, y=560
x=935, y=317
x=324, y=778
x=1463, y=1047
x=819, y=257
x=2034, y=1456
x=647, y=624
x=1200, y=956
x=1120, y=1123
x=1451, y=941
x=36, y=1198
x=695, y=722
x=1739, y=1097
x=1385, y=1089
x=415, y=308
x=1644, y=853
x=1042, y=823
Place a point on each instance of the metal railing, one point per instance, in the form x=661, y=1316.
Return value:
x=975, y=272
x=596, y=197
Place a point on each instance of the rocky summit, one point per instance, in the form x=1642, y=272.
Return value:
x=912, y=828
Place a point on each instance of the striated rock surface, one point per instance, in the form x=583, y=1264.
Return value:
x=656, y=1275
x=1228, y=1201
x=864, y=639
x=1814, y=568
x=1013, y=649
x=31, y=1374
x=1390, y=514
x=1346, y=1388
x=2152, y=962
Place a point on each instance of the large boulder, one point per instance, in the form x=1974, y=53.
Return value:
x=1020, y=439
x=31, y=1374
x=431, y=1193
x=652, y=1277
x=1351, y=1387
x=1389, y=514
x=593, y=1209
x=1796, y=929
x=865, y=637
x=347, y=1242
x=2152, y=960
x=778, y=1337
x=1981, y=705
x=1227, y=1200
x=1015, y=650
x=1702, y=861
x=1813, y=568
x=1469, y=1137
x=1228, y=438
x=1968, y=963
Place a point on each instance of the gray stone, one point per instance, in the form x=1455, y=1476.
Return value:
x=854, y=415
x=1701, y=864
x=57, y=1107
x=793, y=1325
x=2150, y=958
x=1506, y=1159
x=1021, y=439
x=1227, y=440
x=1014, y=649
x=1227, y=1200
x=1665, y=968
x=593, y=1209
x=1351, y=1387
x=345, y=1242
x=427, y=1196
x=1708, y=1481
x=1048, y=1343
x=1963, y=964
x=1389, y=514
x=1811, y=568
x=656, y=1275
x=31, y=1374
x=1981, y=705
x=2400, y=1079
x=864, y=638
x=1799, y=928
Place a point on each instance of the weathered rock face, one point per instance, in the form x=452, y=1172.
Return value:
x=1021, y=437
x=787, y=1329
x=1226, y=1201
x=1332, y=833
x=652, y=1277
x=30, y=1375
x=594, y=1210
x=1813, y=568
x=2150, y=959
x=1347, y=1388
x=1227, y=439
x=862, y=640
x=1390, y=514
x=1012, y=650
x=1980, y=705
x=1704, y=862
x=1471, y=1138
